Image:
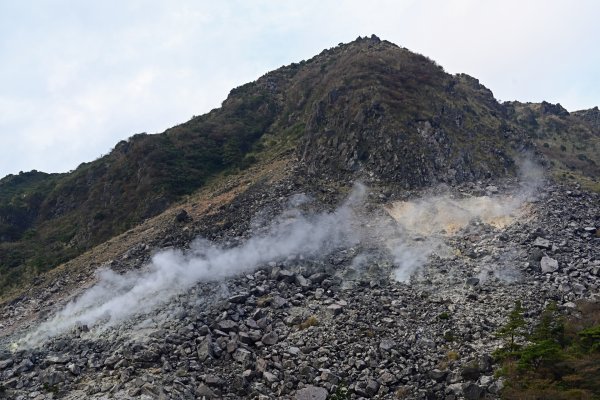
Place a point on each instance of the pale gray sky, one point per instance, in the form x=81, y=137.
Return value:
x=78, y=76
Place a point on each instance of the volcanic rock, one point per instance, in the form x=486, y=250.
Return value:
x=311, y=393
x=548, y=265
x=542, y=243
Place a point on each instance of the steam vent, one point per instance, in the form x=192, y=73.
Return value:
x=361, y=224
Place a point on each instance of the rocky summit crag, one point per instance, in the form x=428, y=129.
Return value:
x=358, y=225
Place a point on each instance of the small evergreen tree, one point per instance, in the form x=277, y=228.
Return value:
x=590, y=339
x=550, y=326
x=514, y=327
x=547, y=340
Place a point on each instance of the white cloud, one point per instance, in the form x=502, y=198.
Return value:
x=77, y=77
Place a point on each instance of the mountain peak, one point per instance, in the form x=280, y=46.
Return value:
x=365, y=110
x=363, y=202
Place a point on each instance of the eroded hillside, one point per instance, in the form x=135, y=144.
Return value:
x=360, y=224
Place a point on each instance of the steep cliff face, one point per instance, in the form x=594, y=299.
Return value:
x=591, y=117
x=385, y=111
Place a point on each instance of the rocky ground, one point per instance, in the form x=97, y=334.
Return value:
x=317, y=328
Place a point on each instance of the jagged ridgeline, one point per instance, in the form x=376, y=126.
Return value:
x=571, y=141
x=364, y=109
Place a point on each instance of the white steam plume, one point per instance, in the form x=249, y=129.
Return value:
x=446, y=214
x=532, y=177
x=409, y=242
x=117, y=297
x=430, y=219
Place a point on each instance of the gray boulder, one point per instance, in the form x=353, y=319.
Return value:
x=311, y=393
x=548, y=265
x=204, y=349
x=542, y=243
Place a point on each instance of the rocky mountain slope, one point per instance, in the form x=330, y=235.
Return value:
x=367, y=107
x=306, y=284
x=309, y=323
x=570, y=140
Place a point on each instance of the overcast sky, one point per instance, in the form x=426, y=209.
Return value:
x=78, y=76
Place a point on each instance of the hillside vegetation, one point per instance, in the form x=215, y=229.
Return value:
x=571, y=141
x=366, y=108
x=561, y=356
x=48, y=219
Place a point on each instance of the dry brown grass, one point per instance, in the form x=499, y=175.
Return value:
x=308, y=322
x=445, y=362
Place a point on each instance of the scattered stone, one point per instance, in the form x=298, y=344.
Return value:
x=382, y=338
x=372, y=388
x=470, y=373
x=271, y=378
x=58, y=359
x=438, y=375
x=472, y=281
x=496, y=387
x=74, y=369
x=278, y=302
x=111, y=361
x=335, y=309
x=387, y=345
x=227, y=325
x=472, y=391
x=548, y=265
x=242, y=356
x=270, y=339
x=205, y=391
x=311, y=393
x=491, y=189
x=286, y=276
x=25, y=365
x=239, y=298
x=204, y=349
x=182, y=216
x=301, y=281
x=542, y=243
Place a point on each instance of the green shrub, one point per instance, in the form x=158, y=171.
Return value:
x=341, y=393
x=514, y=328
x=444, y=316
x=590, y=339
